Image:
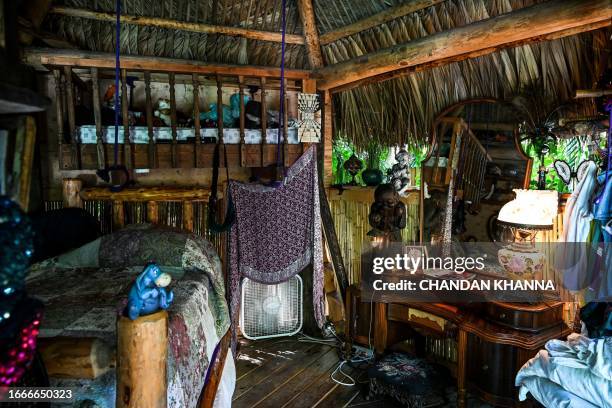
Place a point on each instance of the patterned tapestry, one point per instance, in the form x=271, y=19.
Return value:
x=277, y=232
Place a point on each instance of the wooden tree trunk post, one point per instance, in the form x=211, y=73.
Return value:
x=152, y=212
x=118, y=215
x=142, y=347
x=71, y=189
x=68, y=357
x=59, y=112
x=196, y=120
x=188, y=216
x=151, y=154
x=264, y=122
x=173, y=124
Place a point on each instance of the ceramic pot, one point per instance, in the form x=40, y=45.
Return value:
x=521, y=262
x=372, y=177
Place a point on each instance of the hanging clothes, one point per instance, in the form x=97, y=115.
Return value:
x=277, y=232
x=573, y=259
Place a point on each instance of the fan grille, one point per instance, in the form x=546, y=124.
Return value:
x=271, y=310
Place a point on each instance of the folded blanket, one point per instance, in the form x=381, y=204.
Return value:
x=577, y=366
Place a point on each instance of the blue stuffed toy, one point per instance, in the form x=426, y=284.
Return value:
x=148, y=293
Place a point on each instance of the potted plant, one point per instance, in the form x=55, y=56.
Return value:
x=372, y=175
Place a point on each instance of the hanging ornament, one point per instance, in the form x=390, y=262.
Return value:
x=309, y=129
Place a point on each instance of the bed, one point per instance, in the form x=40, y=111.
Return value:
x=85, y=289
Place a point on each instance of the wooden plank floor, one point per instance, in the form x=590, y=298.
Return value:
x=284, y=372
x=288, y=373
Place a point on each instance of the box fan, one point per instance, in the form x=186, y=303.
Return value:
x=271, y=310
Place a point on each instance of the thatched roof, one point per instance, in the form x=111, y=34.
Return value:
x=393, y=111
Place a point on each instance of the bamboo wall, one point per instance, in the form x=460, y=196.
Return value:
x=350, y=209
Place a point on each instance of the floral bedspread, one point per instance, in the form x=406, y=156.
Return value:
x=84, y=290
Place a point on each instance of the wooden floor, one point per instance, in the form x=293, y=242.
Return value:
x=287, y=373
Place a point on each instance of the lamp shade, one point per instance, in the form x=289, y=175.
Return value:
x=531, y=209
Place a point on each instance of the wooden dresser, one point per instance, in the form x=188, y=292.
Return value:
x=491, y=341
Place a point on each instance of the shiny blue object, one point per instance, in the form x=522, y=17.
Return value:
x=146, y=296
x=230, y=113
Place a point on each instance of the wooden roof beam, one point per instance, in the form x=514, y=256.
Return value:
x=52, y=57
x=544, y=21
x=311, y=35
x=179, y=25
x=377, y=19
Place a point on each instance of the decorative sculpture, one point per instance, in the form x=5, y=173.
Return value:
x=148, y=293
x=309, y=129
x=387, y=214
x=353, y=166
x=400, y=172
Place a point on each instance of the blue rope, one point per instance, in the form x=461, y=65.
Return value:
x=281, y=113
x=117, y=74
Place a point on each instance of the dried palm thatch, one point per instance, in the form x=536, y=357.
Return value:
x=402, y=110
x=396, y=111
x=262, y=15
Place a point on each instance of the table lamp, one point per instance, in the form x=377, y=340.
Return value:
x=531, y=211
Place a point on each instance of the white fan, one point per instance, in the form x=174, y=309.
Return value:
x=271, y=310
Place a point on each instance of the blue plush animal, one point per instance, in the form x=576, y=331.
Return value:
x=148, y=293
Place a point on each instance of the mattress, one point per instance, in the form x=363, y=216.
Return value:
x=140, y=135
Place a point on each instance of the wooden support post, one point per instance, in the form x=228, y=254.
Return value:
x=172, y=81
x=127, y=143
x=207, y=397
x=220, y=117
x=151, y=153
x=380, y=324
x=142, y=349
x=27, y=158
x=74, y=139
x=188, y=216
x=264, y=121
x=118, y=215
x=71, y=190
x=461, y=368
x=196, y=119
x=95, y=91
x=285, y=103
x=242, y=121
x=78, y=358
x=152, y=212
x=327, y=137
x=59, y=112
x=311, y=35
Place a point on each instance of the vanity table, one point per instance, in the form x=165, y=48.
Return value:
x=492, y=340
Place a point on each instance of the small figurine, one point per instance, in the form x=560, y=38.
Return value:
x=387, y=214
x=400, y=172
x=353, y=166
x=148, y=293
x=542, y=172
x=163, y=111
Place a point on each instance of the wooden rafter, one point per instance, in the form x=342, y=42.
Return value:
x=544, y=21
x=383, y=17
x=51, y=57
x=179, y=25
x=311, y=35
